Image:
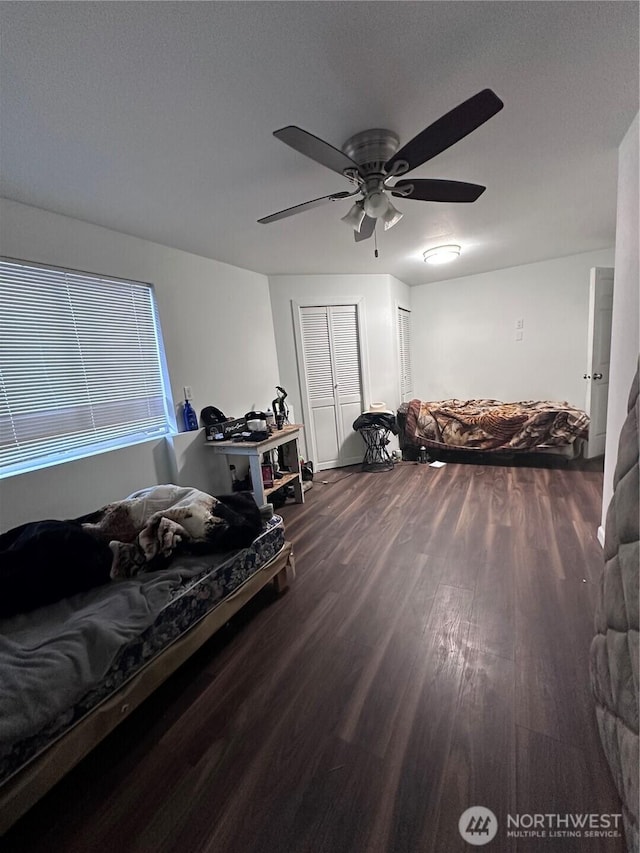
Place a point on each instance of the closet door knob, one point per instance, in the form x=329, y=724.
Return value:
x=597, y=376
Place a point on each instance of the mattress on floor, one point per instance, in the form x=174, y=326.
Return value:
x=171, y=602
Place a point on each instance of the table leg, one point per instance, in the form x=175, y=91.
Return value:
x=291, y=458
x=298, y=492
x=256, y=480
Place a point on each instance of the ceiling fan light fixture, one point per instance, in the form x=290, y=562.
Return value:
x=376, y=204
x=355, y=217
x=441, y=254
x=391, y=217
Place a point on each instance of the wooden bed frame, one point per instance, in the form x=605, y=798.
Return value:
x=30, y=783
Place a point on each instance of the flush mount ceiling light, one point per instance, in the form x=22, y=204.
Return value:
x=441, y=254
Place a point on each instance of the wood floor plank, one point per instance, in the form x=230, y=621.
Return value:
x=418, y=751
x=542, y=691
x=533, y=513
x=273, y=747
x=493, y=616
x=481, y=765
x=447, y=493
x=372, y=712
x=335, y=809
x=554, y=777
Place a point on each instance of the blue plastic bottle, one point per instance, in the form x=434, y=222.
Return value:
x=189, y=416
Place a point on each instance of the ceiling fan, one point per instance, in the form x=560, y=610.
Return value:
x=370, y=159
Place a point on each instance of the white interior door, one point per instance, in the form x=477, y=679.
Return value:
x=598, y=356
x=331, y=370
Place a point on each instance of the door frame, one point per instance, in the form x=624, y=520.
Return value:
x=359, y=302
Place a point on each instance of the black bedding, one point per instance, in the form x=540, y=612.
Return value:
x=44, y=561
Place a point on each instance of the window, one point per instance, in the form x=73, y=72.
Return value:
x=404, y=347
x=82, y=366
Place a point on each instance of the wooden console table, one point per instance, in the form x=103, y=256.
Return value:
x=287, y=437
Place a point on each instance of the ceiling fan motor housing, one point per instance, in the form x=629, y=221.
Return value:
x=371, y=149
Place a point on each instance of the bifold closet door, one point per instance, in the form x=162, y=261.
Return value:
x=404, y=349
x=332, y=372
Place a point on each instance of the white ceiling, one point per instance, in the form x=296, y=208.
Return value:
x=156, y=119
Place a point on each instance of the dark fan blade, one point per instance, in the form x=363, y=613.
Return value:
x=425, y=189
x=452, y=127
x=298, y=208
x=315, y=148
x=366, y=229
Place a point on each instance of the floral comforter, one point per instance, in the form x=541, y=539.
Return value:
x=493, y=425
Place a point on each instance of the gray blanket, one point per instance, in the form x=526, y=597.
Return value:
x=63, y=650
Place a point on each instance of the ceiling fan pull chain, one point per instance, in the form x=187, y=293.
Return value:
x=375, y=243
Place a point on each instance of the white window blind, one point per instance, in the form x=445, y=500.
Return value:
x=404, y=343
x=81, y=365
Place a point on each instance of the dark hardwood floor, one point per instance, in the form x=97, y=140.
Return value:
x=431, y=655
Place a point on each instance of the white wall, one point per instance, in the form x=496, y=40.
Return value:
x=625, y=343
x=218, y=335
x=378, y=293
x=464, y=332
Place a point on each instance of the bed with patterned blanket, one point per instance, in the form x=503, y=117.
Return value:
x=490, y=426
x=72, y=669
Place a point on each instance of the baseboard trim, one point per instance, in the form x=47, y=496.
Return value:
x=601, y=536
